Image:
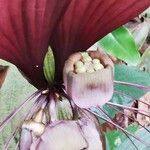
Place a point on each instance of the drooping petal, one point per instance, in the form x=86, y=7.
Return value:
x=25, y=139
x=25, y=30
x=91, y=135
x=69, y=135
x=62, y=135
x=87, y=21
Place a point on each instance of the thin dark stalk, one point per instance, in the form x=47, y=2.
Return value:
x=138, y=100
x=142, y=112
x=14, y=112
x=130, y=118
x=116, y=125
x=146, y=88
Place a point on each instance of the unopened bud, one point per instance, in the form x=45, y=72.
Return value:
x=64, y=110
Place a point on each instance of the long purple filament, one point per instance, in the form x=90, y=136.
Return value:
x=122, y=131
x=116, y=125
x=130, y=118
x=146, y=88
x=13, y=113
x=146, y=113
x=124, y=94
x=32, y=109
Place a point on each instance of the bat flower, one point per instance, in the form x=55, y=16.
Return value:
x=62, y=107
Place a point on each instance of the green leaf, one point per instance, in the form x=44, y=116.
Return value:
x=147, y=12
x=145, y=61
x=140, y=33
x=120, y=43
x=142, y=134
x=115, y=138
x=133, y=75
x=13, y=92
x=128, y=74
x=49, y=66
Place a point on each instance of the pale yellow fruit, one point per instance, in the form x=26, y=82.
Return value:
x=78, y=64
x=88, y=63
x=80, y=69
x=84, y=54
x=90, y=70
x=96, y=61
x=86, y=59
x=98, y=66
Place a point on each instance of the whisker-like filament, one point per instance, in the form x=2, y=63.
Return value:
x=129, y=117
x=122, y=131
x=17, y=146
x=130, y=140
x=12, y=136
x=139, y=86
x=142, y=112
x=138, y=100
x=35, y=106
x=116, y=125
x=14, y=112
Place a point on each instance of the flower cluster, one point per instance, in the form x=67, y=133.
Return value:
x=60, y=120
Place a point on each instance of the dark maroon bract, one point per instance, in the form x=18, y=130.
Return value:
x=27, y=27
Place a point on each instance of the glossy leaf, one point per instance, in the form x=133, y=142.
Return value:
x=121, y=44
x=116, y=137
x=49, y=66
x=143, y=134
x=127, y=74
x=132, y=75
